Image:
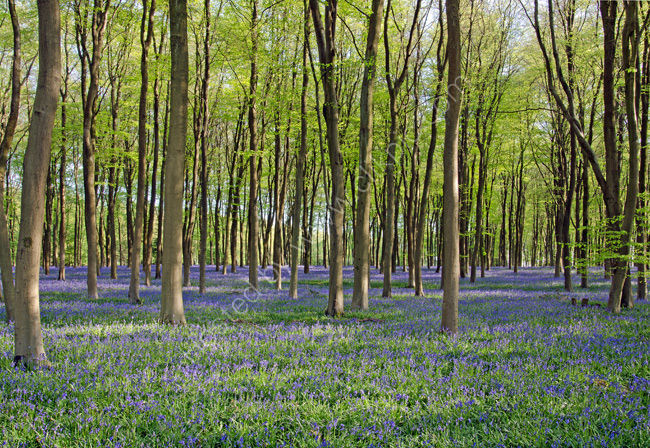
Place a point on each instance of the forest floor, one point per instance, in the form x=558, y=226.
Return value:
x=527, y=368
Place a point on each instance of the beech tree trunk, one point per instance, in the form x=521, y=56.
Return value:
x=300, y=166
x=171, y=311
x=28, y=348
x=203, y=205
x=113, y=175
x=148, y=243
x=325, y=38
x=362, y=224
x=253, y=223
x=161, y=206
x=90, y=67
x=421, y=212
x=145, y=41
x=47, y=230
x=451, y=251
x=6, y=268
x=191, y=184
x=394, y=86
x=62, y=172
x=642, y=226
x=630, y=38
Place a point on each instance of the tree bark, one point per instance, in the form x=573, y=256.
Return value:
x=47, y=230
x=300, y=165
x=161, y=206
x=451, y=253
x=203, y=205
x=630, y=54
x=6, y=268
x=421, y=213
x=148, y=243
x=253, y=223
x=145, y=42
x=28, y=348
x=325, y=38
x=113, y=175
x=394, y=86
x=362, y=224
x=642, y=226
x=172, y=311
x=90, y=66
x=62, y=172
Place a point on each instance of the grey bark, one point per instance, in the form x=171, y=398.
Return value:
x=253, y=223
x=300, y=166
x=172, y=311
x=6, y=268
x=451, y=250
x=362, y=224
x=145, y=42
x=28, y=348
x=325, y=38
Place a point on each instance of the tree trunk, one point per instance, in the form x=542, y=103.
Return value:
x=77, y=212
x=502, y=233
x=277, y=213
x=204, y=149
x=90, y=67
x=478, y=241
x=300, y=175
x=28, y=348
x=189, y=218
x=362, y=224
x=172, y=311
x=47, y=231
x=253, y=223
x=6, y=268
x=584, y=274
x=113, y=175
x=62, y=176
x=148, y=243
x=630, y=54
x=145, y=40
x=161, y=206
x=451, y=255
x=642, y=225
x=325, y=37
x=393, y=90
x=112, y=236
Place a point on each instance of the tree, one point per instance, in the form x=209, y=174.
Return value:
x=253, y=225
x=490, y=88
x=28, y=348
x=63, y=163
x=362, y=223
x=300, y=165
x=145, y=41
x=148, y=244
x=6, y=269
x=326, y=42
x=642, y=226
x=619, y=219
x=394, y=84
x=451, y=250
x=171, y=311
x=441, y=62
x=631, y=37
x=204, y=148
x=90, y=67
